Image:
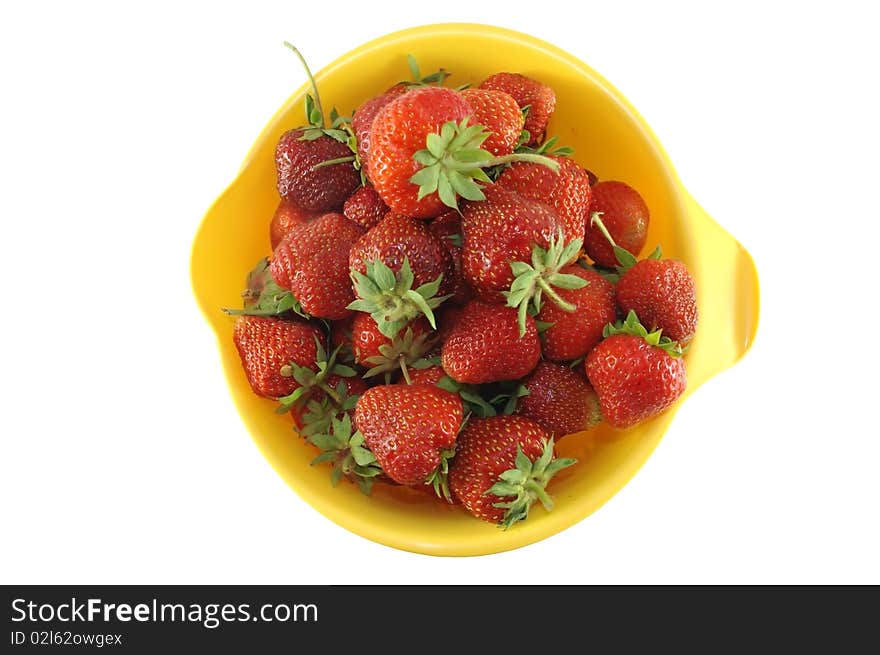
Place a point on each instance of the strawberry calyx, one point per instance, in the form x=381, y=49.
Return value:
x=532, y=281
x=350, y=456
x=453, y=163
x=546, y=148
x=625, y=259
x=309, y=379
x=434, y=79
x=390, y=299
x=319, y=412
x=470, y=396
x=633, y=327
x=439, y=478
x=404, y=350
x=527, y=483
x=263, y=296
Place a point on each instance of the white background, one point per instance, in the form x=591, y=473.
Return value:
x=123, y=459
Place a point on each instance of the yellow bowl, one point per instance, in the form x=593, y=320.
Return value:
x=611, y=139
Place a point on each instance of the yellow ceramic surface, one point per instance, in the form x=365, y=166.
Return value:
x=611, y=139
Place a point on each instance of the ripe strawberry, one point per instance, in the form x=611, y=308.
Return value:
x=396, y=259
x=287, y=216
x=314, y=189
x=500, y=230
x=382, y=354
x=365, y=207
x=501, y=466
x=660, y=291
x=424, y=154
x=500, y=114
x=447, y=227
x=559, y=400
x=663, y=295
x=312, y=262
x=484, y=345
x=303, y=156
x=363, y=117
x=625, y=216
x=411, y=430
x=538, y=97
x=574, y=334
x=636, y=375
x=341, y=337
x=567, y=191
x=429, y=375
x=266, y=345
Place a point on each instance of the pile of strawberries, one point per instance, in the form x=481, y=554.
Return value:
x=449, y=293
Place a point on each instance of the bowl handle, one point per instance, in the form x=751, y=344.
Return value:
x=728, y=292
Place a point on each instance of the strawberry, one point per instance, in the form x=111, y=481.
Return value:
x=383, y=354
x=365, y=207
x=341, y=337
x=411, y=429
x=424, y=154
x=662, y=293
x=572, y=334
x=484, y=345
x=499, y=113
x=567, y=191
x=448, y=228
x=559, y=400
x=498, y=231
x=363, y=117
x=314, y=164
x=636, y=374
x=398, y=267
x=501, y=466
x=625, y=216
x=538, y=97
x=347, y=452
x=268, y=345
x=286, y=217
x=312, y=262
x=429, y=375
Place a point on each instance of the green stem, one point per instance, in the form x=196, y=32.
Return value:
x=521, y=156
x=563, y=304
x=595, y=220
x=404, y=370
x=331, y=162
x=311, y=80
x=331, y=392
x=541, y=495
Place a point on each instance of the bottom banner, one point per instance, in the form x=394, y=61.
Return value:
x=143, y=619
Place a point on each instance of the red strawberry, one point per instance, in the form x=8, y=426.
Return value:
x=430, y=375
x=312, y=261
x=500, y=230
x=484, y=345
x=574, y=334
x=398, y=131
x=314, y=189
x=410, y=428
x=538, y=97
x=266, y=345
x=625, y=216
x=287, y=216
x=663, y=294
x=365, y=207
x=382, y=354
x=636, y=375
x=341, y=337
x=448, y=228
x=559, y=400
x=304, y=178
x=567, y=191
x=363, y=118
x=385, y=286
x=501, y=466
x=500, y=114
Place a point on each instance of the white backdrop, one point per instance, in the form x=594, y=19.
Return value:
x=123, y=460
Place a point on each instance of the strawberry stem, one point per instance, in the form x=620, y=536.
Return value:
x=404, y=370
x=331, y=162
x=311, y=80
x=550, y=291
x=595, y=219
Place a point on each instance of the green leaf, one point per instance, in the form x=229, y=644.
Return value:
x=445, y=191
x=655, y=254
x=427, y=179
x=567, y=281
x=413, y=67
x=362, y=456
x=624, y=257
x=344, y=371
x=465, y=187
x=471, y=155
x=448, y=384
x=502, y=489
x=425, y=158
x=435, y=145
